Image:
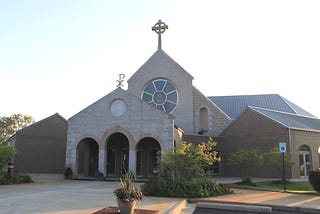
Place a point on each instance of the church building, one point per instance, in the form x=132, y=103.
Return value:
x=126, y=129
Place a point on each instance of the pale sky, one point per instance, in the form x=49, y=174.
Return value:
x=60, y=56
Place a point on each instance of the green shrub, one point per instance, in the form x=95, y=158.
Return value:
x=314, y=179
x=245, y=159
x=157, y=186
x=68, y=172
x=248, y=181
x=3, y=178
x=16, y=179
x=182, y=174
x=194, y=188
x=21, y=178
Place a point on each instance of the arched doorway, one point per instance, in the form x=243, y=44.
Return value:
x=117, y=150
x=147, y=151
x=88, y=157
x=305, y=161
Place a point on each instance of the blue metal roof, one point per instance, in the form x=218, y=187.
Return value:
x=233, y=106
x=288, y=120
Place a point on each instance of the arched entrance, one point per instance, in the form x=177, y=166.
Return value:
x=88, y=157
x=117, y=150
x=305, y=161
x=147, y=151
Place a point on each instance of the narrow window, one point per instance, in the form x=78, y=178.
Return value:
x=204, y=127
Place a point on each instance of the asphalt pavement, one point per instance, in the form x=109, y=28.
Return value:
x=51, y=194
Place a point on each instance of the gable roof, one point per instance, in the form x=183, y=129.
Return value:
x=117, y=93
x=158, y=62
x=288, y=120
x=235, y=105
x=56, y=115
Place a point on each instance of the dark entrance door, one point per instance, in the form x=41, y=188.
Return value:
x=147, y=152
x=117, y=151
x=88, y=157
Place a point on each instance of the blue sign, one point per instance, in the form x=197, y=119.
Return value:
x=282, y=147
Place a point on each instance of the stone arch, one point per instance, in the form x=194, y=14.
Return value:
x=150, y=135
x=89, y=136
x=87, y=157
x=117, y=154
x=116, y=129
x=147, y=150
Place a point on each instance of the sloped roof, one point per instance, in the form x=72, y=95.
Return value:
x=235, y=105
x=289, y=120
x=57, y=115
x=158, y=62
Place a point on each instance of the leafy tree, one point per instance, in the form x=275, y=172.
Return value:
x=9, y=125
x=208, y=155
x=182, y=173
x=6, y=153
x=245, y=159
x=274, y=157
x=188, y=161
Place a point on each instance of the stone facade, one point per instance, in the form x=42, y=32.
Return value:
x=140, y=120
x=137, y=120
x=217, y=119
x=160, y=65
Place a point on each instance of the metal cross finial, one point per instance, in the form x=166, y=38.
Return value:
x=160, y=27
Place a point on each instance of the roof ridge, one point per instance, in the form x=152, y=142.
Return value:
x=286, y=102
x=40, y=121
x=245, y=95
x=282, y=112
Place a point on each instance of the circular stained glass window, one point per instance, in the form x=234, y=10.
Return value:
x=162, y=94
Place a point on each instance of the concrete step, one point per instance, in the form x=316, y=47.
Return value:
x=188, y=209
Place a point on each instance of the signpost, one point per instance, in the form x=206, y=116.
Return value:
x=283, y=149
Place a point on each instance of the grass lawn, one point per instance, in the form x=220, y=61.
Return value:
x=302, y=187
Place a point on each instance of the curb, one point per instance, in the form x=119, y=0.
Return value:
x=274, y=207
x=235, y=207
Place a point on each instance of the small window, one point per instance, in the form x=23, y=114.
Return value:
x=204, y=122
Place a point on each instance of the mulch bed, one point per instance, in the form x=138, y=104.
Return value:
x=114, y=210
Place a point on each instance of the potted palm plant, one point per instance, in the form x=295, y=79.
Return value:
x=127, y=194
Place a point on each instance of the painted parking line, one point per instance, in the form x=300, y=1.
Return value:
x=304, y=201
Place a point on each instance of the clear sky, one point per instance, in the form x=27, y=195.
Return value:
x=62, y=55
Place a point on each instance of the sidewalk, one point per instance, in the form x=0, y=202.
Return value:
x=54, y=195
x=300, y=203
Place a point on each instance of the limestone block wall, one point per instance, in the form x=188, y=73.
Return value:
x=160, y=65
x=138, y=121
x=218, y=120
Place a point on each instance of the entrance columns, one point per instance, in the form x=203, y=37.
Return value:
x=102, y=161
x=74, y=163
x=132, y=159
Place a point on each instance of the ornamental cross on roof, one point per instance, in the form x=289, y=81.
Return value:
x=160, y=27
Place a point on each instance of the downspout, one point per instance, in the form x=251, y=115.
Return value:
x=289, y=139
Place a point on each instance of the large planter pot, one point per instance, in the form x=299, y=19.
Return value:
x=126, y=207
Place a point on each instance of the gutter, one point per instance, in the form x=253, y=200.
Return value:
x=289, y=139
